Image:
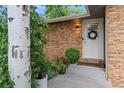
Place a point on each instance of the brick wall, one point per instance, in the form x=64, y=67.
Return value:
x=62, y=35
x=115, y=44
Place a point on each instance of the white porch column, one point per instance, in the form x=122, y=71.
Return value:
x=19, y=45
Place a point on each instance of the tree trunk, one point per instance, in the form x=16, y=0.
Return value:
x=19, y=45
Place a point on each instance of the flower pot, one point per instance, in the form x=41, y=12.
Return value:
x=42, y=83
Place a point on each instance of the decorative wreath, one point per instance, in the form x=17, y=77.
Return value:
x=92, y=35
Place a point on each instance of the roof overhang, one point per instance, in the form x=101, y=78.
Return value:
x=64, y=18
x=93, y=11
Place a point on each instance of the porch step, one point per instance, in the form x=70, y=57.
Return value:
x=92, y=62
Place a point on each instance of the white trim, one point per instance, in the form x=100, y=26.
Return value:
x=68, y=17
x=106, y=52
x=84, y=21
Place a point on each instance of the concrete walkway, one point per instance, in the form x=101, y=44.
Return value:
x=78, y=76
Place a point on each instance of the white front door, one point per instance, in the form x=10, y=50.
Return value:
x=93, y=48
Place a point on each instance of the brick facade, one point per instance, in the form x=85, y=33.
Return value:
x=115, y=44
x=62, y=35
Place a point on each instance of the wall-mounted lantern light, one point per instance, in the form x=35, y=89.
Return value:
x=77, y=25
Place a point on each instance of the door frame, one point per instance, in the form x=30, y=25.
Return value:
x=106, y=51
x=104, y=41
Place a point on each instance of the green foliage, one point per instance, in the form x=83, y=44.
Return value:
x=51, y=71
x=76, y=9
x=56, y=67
x=39, y=70
x=65, y=61
x=59, y=65
x=5, y=81
x=53, y=11
x=72, y=54
x=61, y=68
x=39, y=63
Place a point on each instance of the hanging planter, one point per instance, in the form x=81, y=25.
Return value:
x=92, y=35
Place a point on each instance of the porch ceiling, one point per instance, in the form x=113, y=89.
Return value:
x=96, y=11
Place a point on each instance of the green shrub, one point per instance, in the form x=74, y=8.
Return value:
x=54, y=66
x=65, y=61
x=61, y=68
x=51, y=73
x=58, y=66
x=53, y=69
x=72, y=54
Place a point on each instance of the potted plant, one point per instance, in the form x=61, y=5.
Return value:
x=72, y=54
x=39, y=73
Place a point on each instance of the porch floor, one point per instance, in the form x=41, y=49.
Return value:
x=78, y=76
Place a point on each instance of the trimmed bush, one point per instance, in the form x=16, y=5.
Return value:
x=72, y=54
